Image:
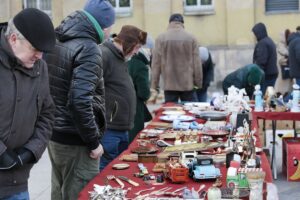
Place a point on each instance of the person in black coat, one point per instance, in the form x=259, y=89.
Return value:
x=208, y=74
x=77, y=88
x=294, y=56
x=265, y=55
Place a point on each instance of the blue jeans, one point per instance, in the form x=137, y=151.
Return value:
x=19, y=196
x=298, y=81
x=114, y=142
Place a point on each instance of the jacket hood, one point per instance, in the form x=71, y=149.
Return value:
x=260, y=31
x=109, y=44
x=76, y=25
x=293, y=36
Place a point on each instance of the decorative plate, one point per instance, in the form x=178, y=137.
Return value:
x=227, y=193
x=172, y=108
x=173, y=112
x=170, y=118
x=120, y=166
x=197, y=104
x=143, y=149
x=215, y=132
x=212, y=115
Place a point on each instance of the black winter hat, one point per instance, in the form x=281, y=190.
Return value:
x=176, y=18
x=37, y=28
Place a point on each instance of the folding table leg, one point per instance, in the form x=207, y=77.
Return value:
x=273, y=159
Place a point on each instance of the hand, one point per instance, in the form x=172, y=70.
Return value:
x=7, y=160
x=97, y=153
x=24, y=156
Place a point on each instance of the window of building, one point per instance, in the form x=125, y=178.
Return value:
x=198, y=7
x=44, y=5
x=282, y=5
x=123, y=8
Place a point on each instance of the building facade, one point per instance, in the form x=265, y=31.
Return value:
x=224, y=26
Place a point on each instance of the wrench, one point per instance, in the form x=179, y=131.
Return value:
x=139, y=192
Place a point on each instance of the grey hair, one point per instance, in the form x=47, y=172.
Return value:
x=11, y=28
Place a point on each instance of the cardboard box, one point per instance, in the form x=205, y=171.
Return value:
x=280, y=125
x=280, y=134
x=291, y=158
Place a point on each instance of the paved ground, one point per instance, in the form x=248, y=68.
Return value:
x=40, y=181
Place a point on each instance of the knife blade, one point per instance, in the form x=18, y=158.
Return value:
x=124, y=178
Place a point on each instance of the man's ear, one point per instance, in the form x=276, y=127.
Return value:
x=13, y=38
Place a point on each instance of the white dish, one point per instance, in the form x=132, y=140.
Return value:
x=173, y=112
x=197, y=104
x=171, y=118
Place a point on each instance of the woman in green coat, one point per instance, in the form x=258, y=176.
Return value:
x=245, y=77
x=139, y=72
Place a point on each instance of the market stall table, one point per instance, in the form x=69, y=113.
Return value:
x=274, y=116
x=100, y=179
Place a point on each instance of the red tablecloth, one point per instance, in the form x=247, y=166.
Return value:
x=100, y=178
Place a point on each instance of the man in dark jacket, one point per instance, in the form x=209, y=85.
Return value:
x=120, y=97
x=208, y=73
x=77, y=87
x=294, y=56
x=27, y=109
x=245, y=77
x=265, y=55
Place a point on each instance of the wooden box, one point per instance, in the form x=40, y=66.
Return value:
x=291, y=158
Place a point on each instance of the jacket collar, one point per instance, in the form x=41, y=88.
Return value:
x=109, y=44
x=10, y=61
x=175, y=25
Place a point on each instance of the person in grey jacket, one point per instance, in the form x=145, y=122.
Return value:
x=120, y=97
x=77, y=87
x=27, y=109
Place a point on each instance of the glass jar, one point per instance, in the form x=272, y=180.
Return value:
x=214, y=193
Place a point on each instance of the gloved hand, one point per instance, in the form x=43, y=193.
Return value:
x=7, y=160
x=24, y=156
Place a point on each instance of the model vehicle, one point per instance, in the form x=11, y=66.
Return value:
x=203, y=168
x=176, y=171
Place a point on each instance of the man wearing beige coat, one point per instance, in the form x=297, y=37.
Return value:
x=176, y=58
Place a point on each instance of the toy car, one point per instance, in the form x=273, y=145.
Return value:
x=176, y=171
x=203, y=168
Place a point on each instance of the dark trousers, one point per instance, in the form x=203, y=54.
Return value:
x=201, y=94
x=269, y=81
x=174, y=96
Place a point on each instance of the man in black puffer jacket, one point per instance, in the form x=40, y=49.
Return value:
x=77, y=88
x=265, y=55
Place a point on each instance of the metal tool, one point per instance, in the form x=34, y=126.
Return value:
x=111, y=177
x=201, y=188
x=157, y=192
x=179, y=189
x=139, y=192
x=124, y=178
